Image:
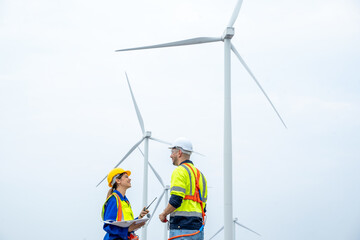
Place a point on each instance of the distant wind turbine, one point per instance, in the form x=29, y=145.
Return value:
x=228, y=47
x=145, y=138
x=237, y=223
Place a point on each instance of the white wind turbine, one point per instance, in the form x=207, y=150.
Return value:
x=145, y=138
x=235, y=221
x=228, y=47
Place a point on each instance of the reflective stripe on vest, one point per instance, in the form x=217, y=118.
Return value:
x=188, y=170
x=179, y=189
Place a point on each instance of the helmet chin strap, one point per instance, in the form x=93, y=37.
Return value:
x=114, y=179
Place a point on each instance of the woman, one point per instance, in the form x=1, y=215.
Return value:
x=117, y=207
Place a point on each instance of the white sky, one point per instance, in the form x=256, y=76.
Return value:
x=67, y=118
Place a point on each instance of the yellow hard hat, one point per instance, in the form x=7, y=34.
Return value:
x=115, y=172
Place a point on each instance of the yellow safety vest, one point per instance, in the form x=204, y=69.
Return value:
x=183, y=184
x=124, y=209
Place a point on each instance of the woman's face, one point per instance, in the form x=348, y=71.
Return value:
x=124, y=181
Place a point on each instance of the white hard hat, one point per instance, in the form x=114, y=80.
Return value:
x=182, y=143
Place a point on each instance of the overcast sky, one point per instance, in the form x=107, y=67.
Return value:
x=66, y=115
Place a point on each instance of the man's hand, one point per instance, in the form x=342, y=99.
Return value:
x=169, y=209
x=162, y=217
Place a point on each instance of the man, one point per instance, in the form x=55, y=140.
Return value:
x=188, y=195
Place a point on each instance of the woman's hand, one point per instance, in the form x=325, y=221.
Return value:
x=134, y=226
x=143, y=212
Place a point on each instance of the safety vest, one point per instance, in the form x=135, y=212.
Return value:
x=124, y=212
x=190, y=184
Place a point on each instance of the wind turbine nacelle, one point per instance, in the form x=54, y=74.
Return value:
x=228, y=33
x=147, y=134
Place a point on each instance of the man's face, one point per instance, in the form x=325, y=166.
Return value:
x=174, y=156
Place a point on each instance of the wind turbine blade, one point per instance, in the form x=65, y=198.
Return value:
x=199, y=154
x=141, y=122
x=157, y=175
x=101, y=181
x=177, y=43
x=130, y=151
x=141, y=152
x=123, y=159
x=235, y=13
x=217, y=232
x=154, y=171
x=247, y=228
x=167, y=143
x=157, y=204
x=256, y=81
x=160, y=141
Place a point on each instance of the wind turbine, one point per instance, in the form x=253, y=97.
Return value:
x=146, y=137
x=165, y=193
x=228, y=47
x=235, y=221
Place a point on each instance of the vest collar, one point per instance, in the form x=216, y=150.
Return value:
x=123, y=198
x=187, y=161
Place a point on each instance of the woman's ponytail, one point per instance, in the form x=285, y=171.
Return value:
x=114, y=185
x=111, y=190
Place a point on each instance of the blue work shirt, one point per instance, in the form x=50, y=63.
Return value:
x=111, y=209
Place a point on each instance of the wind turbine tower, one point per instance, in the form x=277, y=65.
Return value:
x=226, y=37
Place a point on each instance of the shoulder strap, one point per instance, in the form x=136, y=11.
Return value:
x=197, y=196
x=118, y=203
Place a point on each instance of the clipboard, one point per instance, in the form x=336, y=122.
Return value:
x=126, y=223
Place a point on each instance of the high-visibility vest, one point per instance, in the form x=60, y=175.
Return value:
x=124, y=212
x=190, y=184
